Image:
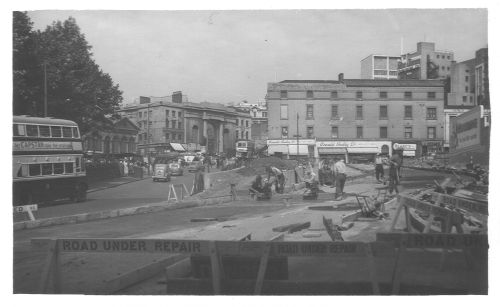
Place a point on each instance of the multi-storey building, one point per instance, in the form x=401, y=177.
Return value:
x=425, y=63
x=380, y=67
x=469, y=87
x=171, y=123
x=258, y=123
x=355, y=118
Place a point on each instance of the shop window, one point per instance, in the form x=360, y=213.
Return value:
x=359, y=132
x=383, y=112
x=383, y=132
x=408, y=132
x=310, y=111
x=431, y=113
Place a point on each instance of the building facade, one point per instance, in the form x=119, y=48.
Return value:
x=462, y=84
x=357, y=117
x=425, y=63
x=114, y=137
x=171, y=123
x=380, y=67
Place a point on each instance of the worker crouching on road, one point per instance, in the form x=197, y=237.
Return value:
x=312, y=187
x=261, y=188
x=279, y=182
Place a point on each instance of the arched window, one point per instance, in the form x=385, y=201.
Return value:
x=131, y=145
x=98, y=145
x=124, y=145
x=115, y=146
x=107, y=145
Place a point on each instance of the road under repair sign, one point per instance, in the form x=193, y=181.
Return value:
x=19, y=209
x=435, y=240
x=133, y=245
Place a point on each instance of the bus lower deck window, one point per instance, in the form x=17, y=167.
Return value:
x=32, y=130
x=68, y=168
x=47, y=169
x=19, y=130
x=58, y=168
x=44, y=131
x=34, y=170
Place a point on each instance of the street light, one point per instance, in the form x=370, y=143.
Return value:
x=297, y=135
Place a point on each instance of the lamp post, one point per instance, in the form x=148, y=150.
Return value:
x=45, y=89
x=297, y=135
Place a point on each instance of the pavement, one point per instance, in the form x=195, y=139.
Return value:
x=101, y=184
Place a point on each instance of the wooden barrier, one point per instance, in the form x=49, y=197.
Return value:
x=172, y=194
x=213, y=249
x=460, y=203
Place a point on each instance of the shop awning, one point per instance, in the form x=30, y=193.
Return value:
x=332, y=150
x=277, y=148
x=363, y=150
x=292, y=150
x=177, y=147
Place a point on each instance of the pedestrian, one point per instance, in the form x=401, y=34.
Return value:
x=339, y=170
x=393, y=174
x=379, y=167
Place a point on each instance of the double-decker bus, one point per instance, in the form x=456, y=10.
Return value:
x=47, y=161
x=245, y=148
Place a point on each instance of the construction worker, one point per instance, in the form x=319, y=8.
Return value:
x=340, y=169
x=279, y=183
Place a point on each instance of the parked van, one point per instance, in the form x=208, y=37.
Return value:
x=161, y=172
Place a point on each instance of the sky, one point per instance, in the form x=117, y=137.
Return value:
x=230, y=56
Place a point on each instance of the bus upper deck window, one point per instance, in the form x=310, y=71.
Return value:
x=19, y=130
x=32, y=130
x=75, y=133
x=67, y=132
x=56, y=131
x=44, y=131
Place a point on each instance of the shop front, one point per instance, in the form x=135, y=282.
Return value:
x=430, y=147
x=352, y=151
x=290, y=149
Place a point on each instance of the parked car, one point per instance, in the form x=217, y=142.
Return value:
x=175, y=169
x=195, y=166
x=161, y=172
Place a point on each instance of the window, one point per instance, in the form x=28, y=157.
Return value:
x=284, y=111
x=408, y=95
x=464, y=98
x=47, y=169
x=167, y=113
x=35, y=170
x=246, y=135
x=431, y=95
x=431, y=132
x=359, y=94
x=264, y=114
x=283, y=94
x=19, y=130
x=466, y=89
x=32, y=130
x=309, y=111
x=359, y=112
x=179, y=113
x=359, y=132
x=408, y=112
x=66, y=131
x=167, y=135
x=448, y=68
x=45, y=131
x=383, y=112
x=431, y=113
x=383, y=95
x=166, y=123
x=56, y=131
x=140, y=137
x=448, y=57
x=237, y=122
x=442, y=67
x=335, y=111
x=334, y=95
x=335, y=132
x=174, y=123
x=237, y=134
x=310, y=132
x=284, y=132
x=437, y=56
x=383, y=132
x=179, y=125
x=408, y=132
x=466, y=78
x=173, y=113
x=471, y=99
x=246, y=123
x=309, y=94
x=140, y=114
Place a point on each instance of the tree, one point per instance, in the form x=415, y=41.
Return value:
x=77, y=89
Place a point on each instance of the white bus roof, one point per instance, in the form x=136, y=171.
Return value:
x=23, y=119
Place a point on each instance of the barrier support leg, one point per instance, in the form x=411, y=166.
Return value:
x=262, y=269
x=51, y=261
x=214, y=260
x=397, y=272
x=372, y=268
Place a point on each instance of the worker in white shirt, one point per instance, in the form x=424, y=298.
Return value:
x=339, y=169
x=280, y=178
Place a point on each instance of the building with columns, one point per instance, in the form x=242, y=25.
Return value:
x=113, y=137
x=171, y=123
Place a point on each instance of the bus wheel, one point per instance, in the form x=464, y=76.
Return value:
x=81, y=192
